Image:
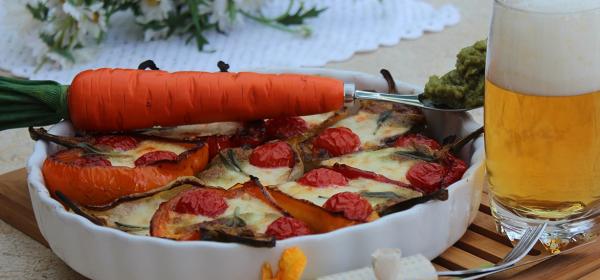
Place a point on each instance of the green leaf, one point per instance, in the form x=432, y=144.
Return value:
x=416, y=155
x=232, y=10
x=128, y=227
x=388, y=195
x=39, y=12
x=384, y=116
x=302, y=30
x=230, y=161
x=200, y=39
x=300, y=15
x=93, y=150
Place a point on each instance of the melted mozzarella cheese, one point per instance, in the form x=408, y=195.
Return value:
x=137, y=213
x=319, y=195
x=219, y=174
x=364, y=124
x=314, y=120
x=197, y=130
x=223, y=177
x=229, y=177
x=256, y=214
x=267, y=176
x=127, y=158
x=382, y=162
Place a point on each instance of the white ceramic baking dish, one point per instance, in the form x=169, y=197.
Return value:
x=105, y=253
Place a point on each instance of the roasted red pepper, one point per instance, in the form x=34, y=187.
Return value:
x=217, y=143
x=355, y=173
x=91, y=181
x=154, y=157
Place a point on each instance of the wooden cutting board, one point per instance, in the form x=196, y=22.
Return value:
x=480, y=246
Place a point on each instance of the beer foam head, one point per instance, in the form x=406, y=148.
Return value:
x=545, y=47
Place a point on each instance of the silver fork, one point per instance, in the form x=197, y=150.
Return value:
x=570, y=250
x=528, y=240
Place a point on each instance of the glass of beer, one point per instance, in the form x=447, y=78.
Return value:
x=542, y=118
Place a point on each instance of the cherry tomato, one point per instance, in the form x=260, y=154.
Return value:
x=323, y=177
x=155, y=156
x=270, y=155
x=337, y=141
x=93, y=160
x=217, y=143
x=456, y=168
x=352, y=205
x=426, y=176
x=286, y=227
x=203, y=202
x=252, y=135
x=117, y=142
x=415, y=140
x=283, y=128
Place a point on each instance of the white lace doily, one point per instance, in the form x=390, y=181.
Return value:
x=345, y=28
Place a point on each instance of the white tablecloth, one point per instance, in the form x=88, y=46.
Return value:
x=344, y=28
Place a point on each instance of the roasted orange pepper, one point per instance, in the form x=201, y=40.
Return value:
x=92, y=181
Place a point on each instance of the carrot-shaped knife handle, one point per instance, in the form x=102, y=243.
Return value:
x=31, y=103
x=105, y=100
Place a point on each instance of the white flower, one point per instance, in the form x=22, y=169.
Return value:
x=225, y=15
x=154, y=10
x=74, y=11
x=91, y=21
x=219, y=13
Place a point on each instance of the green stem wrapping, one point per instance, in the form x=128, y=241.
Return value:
x=26, y=103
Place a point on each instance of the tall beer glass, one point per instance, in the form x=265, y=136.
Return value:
x=542, y=118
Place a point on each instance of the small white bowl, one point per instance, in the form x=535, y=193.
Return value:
x=105, y=253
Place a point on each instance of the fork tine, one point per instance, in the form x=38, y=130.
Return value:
x=529, y=238
x=534, y=237
x=525, y=245
x=519, y=246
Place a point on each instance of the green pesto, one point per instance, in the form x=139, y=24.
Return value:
x=462, y=87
